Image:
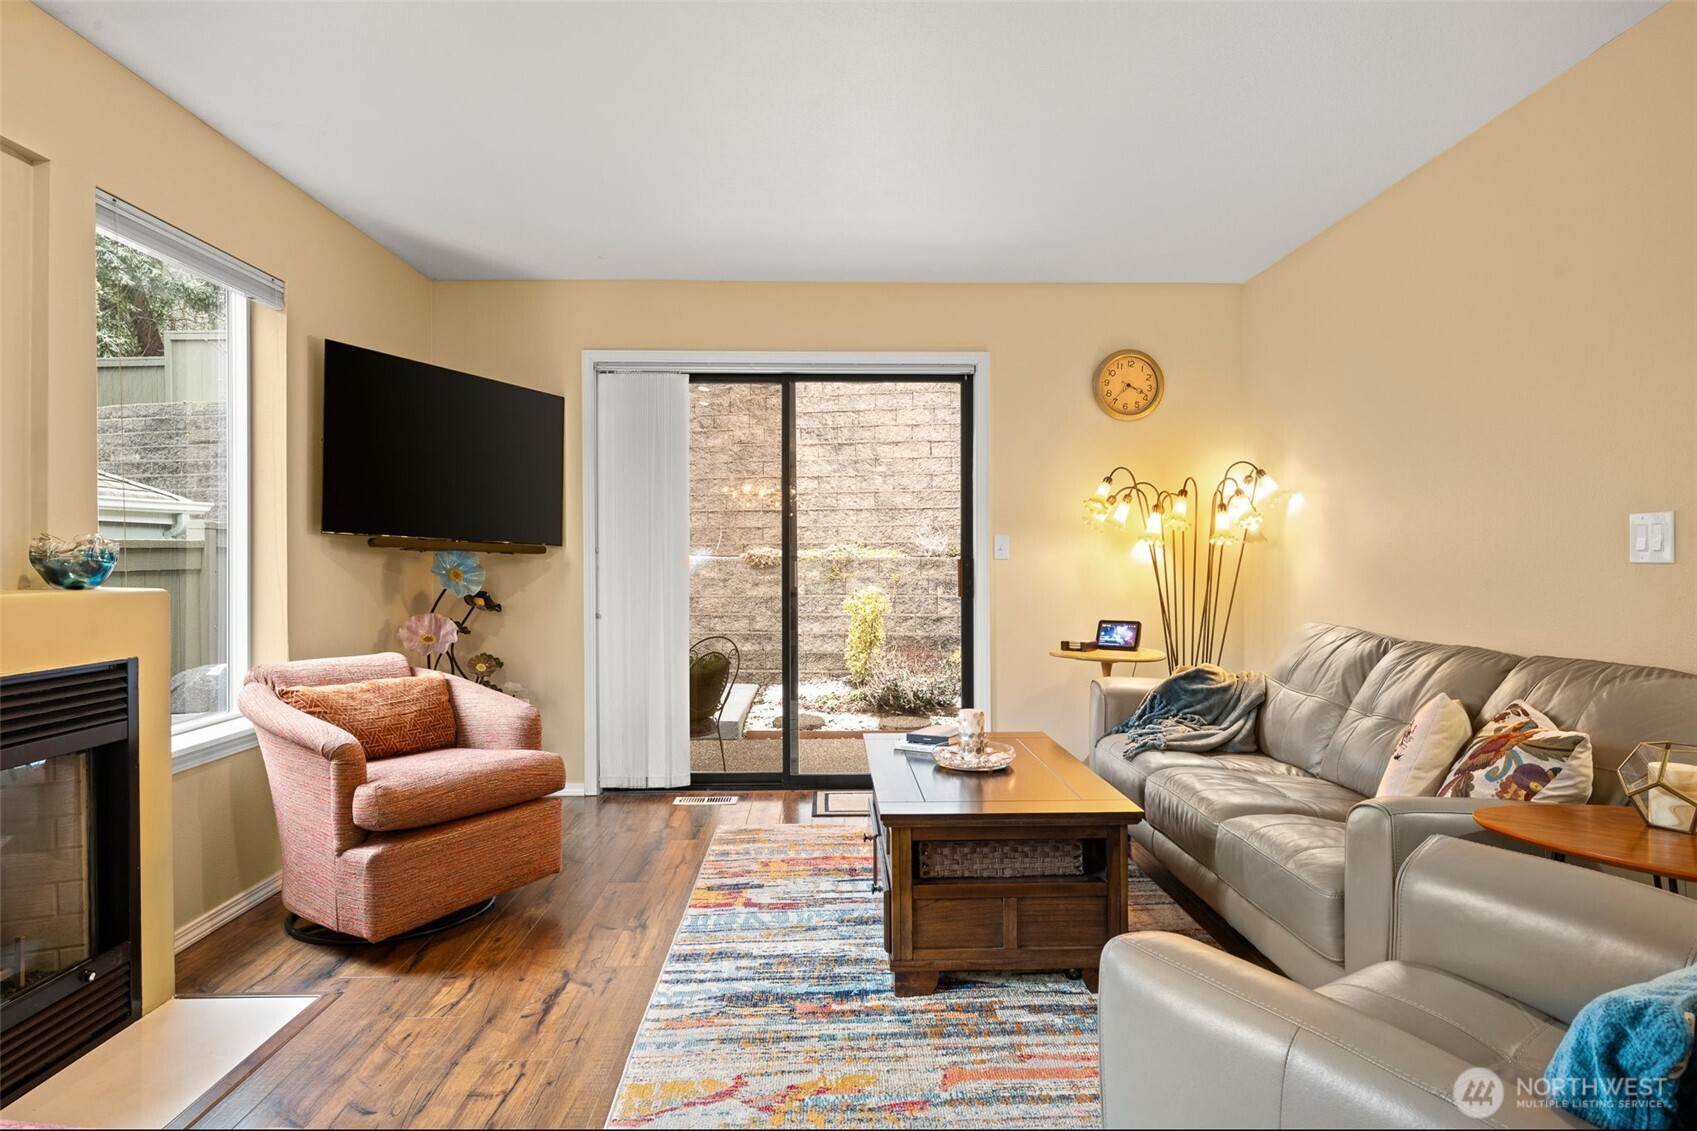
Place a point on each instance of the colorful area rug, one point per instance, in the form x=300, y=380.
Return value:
x=774, y=1009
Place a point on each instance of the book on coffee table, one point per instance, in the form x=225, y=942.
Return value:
x=925, y=749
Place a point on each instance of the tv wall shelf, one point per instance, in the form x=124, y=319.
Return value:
x=431, y=545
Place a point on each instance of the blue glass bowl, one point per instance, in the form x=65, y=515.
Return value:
x=74, y=568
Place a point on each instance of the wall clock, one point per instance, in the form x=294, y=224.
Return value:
x=1128, y=384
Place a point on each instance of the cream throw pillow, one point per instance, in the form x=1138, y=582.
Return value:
x=1426, y=748
x=1521, y=756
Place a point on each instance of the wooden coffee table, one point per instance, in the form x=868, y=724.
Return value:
x=1607, y=834
x=936, y=919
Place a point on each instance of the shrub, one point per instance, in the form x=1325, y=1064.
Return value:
x=840, y=554
x=911, y=681
x=865, y=641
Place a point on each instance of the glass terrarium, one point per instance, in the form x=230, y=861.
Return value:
x=1660, y=779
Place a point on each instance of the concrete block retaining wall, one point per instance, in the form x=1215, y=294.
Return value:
x=878, y=503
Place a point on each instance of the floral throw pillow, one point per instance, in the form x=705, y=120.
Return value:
x=1520, y=755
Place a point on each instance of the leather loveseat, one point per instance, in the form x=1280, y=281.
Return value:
x=1288, y=844
x=1493, y=955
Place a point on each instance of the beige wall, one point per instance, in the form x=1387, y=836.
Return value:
x=1049, y=444
x=1477, y=376
x=89, y=123
x=17, y=317
x=224, y=835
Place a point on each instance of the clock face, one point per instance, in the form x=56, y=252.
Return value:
x=1128, y=384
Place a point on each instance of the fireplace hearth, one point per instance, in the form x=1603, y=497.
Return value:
x=70, y=899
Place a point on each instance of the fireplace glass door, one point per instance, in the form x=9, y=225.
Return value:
x=44, y=871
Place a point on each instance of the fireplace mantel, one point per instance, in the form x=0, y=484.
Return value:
x=41, y=629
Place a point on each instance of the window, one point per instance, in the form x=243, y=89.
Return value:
x=171, y=372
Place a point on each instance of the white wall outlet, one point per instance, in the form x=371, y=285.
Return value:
x=1650, y=537
x=1003, y=548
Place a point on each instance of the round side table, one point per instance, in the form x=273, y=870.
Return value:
x=1607, y=834
x=1108, y=657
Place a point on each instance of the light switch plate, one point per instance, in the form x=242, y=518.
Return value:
x=1003, y=550
x=1649, y=537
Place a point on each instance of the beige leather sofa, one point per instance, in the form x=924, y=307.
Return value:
x=1286, y=844
x=1491, y=955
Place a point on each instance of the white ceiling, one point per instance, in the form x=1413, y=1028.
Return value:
x=1134, y=142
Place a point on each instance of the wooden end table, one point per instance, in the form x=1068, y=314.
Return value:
x=1041, y=922
x=1108, y=657
x=1607, y=834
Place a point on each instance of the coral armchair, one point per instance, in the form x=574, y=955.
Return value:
x=377, y=847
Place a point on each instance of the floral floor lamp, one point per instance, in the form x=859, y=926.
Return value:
x=1195, y=545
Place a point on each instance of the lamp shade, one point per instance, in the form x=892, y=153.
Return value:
x=1195, y=570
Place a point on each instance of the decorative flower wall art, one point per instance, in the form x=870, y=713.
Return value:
x=433, y=635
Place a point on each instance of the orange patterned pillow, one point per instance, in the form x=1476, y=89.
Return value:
x=388, y=716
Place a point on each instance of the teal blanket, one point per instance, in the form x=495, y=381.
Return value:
x=1198, y=709
x=1623, y=1063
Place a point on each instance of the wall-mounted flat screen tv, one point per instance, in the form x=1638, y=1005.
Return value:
x=418, y=451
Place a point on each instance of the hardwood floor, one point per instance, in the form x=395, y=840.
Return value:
x=520, y=1018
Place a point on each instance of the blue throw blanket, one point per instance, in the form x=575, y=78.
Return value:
x=1623, y=1063
x=1199, y=709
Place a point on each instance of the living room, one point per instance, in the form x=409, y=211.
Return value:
x=1402, y=297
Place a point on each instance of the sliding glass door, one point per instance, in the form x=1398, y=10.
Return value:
x=830, y=584
x=879, y=578
x=736, y=579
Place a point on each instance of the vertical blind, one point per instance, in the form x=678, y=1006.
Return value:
x=128, y=223
x=642, y=580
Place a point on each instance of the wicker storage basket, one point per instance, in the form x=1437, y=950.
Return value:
x=999, y=859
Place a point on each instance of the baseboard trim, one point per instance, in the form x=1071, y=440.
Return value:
x=572, y=789
x=227, y=912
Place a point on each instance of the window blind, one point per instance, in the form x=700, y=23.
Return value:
x=127, y=222
x=642, y=580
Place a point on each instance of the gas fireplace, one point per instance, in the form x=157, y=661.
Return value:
x=70, y=896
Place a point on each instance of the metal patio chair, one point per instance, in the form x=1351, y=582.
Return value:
x=706, y=706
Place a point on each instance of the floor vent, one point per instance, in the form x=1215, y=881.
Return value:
x=705, y=799
x=842, y=803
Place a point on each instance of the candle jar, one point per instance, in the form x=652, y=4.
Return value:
x=1660, y=780
x=971, y=722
